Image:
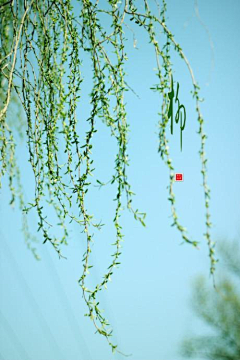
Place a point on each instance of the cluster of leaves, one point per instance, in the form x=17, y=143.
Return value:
x=220, y=310
x=40, y=59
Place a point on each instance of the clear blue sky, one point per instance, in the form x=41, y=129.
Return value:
x=41, y=306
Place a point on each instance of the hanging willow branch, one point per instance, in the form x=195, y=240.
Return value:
x=42, y=42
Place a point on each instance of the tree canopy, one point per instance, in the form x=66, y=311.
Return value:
x=219, y=309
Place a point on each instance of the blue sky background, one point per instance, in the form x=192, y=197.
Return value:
x=147, y=303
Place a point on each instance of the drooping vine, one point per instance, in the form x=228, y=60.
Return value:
x=41, y=60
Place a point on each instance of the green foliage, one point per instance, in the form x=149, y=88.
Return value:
x=42, y=43
x=220, y=310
